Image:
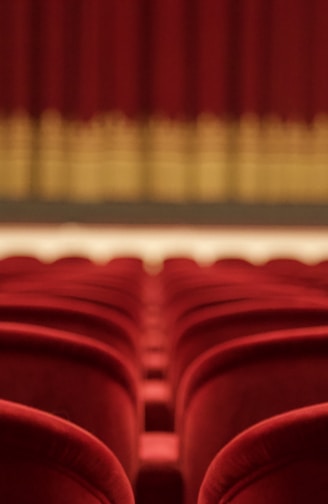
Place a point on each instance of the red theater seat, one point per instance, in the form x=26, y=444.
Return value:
x=78, y=262
x=282, y=460
x=71, y=315
x=125, y=263
x=218, y=295
x=45, y=459
x=78, y=379
x=96, y=276
x=206, y=328
x=108, y=296
x=288, y=267
x=236, y=385
x=234, y=262
x=209, y=279
x=16, y=266
x=78, y=269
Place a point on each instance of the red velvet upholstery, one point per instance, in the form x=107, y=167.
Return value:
x=109, y=297
x=284, y=266
x=218, y=295
x=44, y=459
x=282, y=460
x=240, y=383
x=79, y=262
x=234, y=262
x=187, y=290
x=75, y=316
x=126, y=263
x=15, y=266
x=163, y=323
x=95, y=276
x=174, y=264
x=180, y=280
x=78, y=379
x=212, y=326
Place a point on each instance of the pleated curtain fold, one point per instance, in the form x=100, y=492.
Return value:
x=164, y=100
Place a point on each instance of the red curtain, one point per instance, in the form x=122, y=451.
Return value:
x=173, y=58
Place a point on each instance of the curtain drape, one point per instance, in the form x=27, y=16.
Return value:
x=164, y=99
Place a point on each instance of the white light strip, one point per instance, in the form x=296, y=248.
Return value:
x=153, y=244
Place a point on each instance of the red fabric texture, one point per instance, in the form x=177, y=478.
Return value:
x=78, y=379
x=20, y=265
x=214, y=325
x=71, y=315
x=117, y=284
x=81, y=340
x=280, y=460
x=235, y=385
x=173, y=58
x=210, y=296
x=110, y=297
x=46, y=459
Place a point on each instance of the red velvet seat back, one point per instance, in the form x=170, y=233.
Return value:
x=79, y=380
x=19, y=266
x=211, y=296
x=44, y=459
x=238, y=384
x=283, y=460
x=109, y=297
x=82, y=318
x=234, y=262
x=73, y=262
x=216, y=325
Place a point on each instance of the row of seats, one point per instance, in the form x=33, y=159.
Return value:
x=243, y=343
x=192, y=383
x=70, y=379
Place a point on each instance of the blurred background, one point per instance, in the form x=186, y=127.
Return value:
x=190, y=112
